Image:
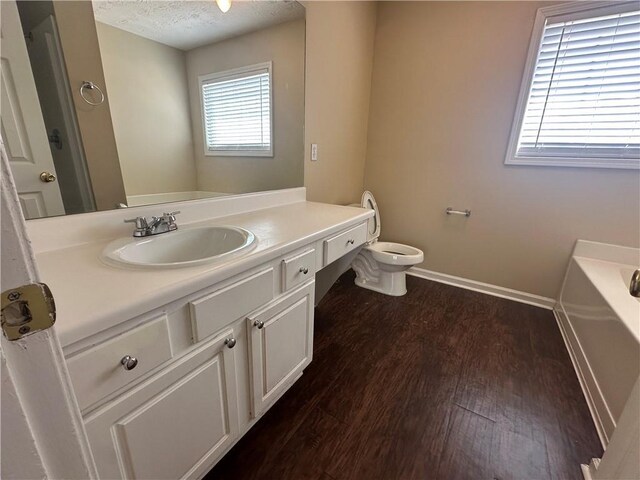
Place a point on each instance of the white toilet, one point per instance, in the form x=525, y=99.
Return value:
x=381, y=266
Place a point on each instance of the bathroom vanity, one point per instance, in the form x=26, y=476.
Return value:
x=172, y=366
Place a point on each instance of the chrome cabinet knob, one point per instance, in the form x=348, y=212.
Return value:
x=230, y=342
x=129, y=362
x=47, y=177
x=259, y=324
x=351, y=241
x=304, y=270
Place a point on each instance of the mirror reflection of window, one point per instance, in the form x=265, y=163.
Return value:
x=236, y=111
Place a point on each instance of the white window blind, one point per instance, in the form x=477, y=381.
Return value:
x=584, y=95
x=236, y=111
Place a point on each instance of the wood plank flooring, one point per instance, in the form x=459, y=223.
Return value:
x=442, y=383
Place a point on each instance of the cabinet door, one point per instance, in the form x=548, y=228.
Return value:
x=174, y=425
x=281, y=345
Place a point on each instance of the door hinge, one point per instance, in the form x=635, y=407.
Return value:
x=26, y=310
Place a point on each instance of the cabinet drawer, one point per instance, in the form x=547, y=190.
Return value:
x=337, y=246
x=213, y=312
x=97, y=372
x=298, y=269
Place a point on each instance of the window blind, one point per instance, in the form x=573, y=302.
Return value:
x=237, y=112
x=584, y=99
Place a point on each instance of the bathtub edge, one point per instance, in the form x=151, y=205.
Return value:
x=566, y=330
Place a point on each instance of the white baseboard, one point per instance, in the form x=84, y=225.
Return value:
x=486, y=288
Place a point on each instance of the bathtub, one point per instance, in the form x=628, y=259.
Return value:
x=600, y=322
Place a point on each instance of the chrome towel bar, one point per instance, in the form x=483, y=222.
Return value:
x=451, y=211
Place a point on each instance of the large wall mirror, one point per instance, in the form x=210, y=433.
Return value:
x=113, y=104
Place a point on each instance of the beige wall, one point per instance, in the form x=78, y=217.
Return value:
x=82, y=58
x=340, y=38
x=283, y=45
x=445, y=81
x=149, y=100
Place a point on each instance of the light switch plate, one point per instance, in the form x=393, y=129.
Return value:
x=314, y=152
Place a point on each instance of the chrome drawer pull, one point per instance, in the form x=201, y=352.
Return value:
x=129, y=362
x=258, y=324
x=304, y=270
x=351, y=241
x=230, y=342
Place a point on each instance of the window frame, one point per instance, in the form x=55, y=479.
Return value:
x=598, y=8
x=229, y=75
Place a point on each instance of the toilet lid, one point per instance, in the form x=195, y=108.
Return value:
x=374, y=223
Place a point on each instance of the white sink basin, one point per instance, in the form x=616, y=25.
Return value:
x=181, y=248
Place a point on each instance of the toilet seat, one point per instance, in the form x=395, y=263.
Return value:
x=373, y=226
x=391, y=253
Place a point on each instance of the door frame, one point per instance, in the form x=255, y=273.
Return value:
x=41, y=421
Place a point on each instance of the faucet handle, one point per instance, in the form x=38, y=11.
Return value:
x=170, y=217
x=634, y=285
x=141, y=222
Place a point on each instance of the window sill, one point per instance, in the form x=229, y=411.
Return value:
x=238, y=153
x=615, y=163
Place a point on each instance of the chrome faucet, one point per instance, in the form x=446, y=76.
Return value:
x=634, y=286
x=155, y=225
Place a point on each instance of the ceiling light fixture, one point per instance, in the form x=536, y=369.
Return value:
x=224, y=5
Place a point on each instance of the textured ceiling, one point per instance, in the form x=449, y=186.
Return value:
x=189, y=24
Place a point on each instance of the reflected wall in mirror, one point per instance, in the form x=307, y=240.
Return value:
x=108, y=104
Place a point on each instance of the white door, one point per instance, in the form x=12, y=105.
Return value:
x=41, y=428
x=176, y=424
x=23, y=127
x=281, y=346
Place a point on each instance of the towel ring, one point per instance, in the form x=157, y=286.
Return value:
x=91, y=86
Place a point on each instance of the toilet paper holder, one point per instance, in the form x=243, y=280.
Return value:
x=452, y=211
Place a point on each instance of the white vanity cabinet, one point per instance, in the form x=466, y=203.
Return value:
x=180, y=420
x=206, y=366
x=175, y=422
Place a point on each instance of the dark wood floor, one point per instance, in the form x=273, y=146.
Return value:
x=442, y=383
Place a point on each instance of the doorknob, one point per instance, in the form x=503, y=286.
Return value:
x=47, y=177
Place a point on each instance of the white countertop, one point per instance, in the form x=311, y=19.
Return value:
x=92, y=297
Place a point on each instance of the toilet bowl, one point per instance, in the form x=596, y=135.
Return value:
x=382, y=266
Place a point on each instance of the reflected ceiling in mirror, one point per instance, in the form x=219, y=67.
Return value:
x=141, y=102
x=191, y=24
